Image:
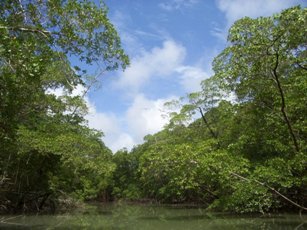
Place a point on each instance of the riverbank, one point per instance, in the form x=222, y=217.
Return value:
x=120, y=215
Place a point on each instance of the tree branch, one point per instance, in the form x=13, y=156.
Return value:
x=206, y=122
x=23, y=11
x=283, y=102
x=301, y=66
x=271, y=188
x=88, y=88
x=45, y=33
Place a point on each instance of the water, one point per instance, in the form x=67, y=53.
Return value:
x=145, y=217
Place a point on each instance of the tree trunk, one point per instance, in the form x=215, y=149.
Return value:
x=213, y=134
x=283, y=103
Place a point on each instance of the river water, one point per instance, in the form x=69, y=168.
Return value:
x=148, y=217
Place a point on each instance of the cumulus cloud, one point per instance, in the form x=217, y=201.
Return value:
x=106, y=122
x=145, y=116
x=77, y=91
x=160, y=61
x=123, y=140
x=114, y=136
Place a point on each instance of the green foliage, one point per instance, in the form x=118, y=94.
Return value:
x=264, y=65
x=46, y=150
x=247, y=198
x=247, y=153
x=237, y=155
x=166, y=172
x=125, y=177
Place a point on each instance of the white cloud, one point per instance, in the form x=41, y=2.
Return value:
x=191, y=77
x=159, y=62
x=111, y=125
x=177, y=4
x=58, y=92
x=145, y=116
x=123, y=140
x=114, y=137
x=236, y=9
x=106, y=122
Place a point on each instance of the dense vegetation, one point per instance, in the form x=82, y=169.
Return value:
x=47, y=152
x=244, y=154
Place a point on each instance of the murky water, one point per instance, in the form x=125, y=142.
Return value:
x=145, y=217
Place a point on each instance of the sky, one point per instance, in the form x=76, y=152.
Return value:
x=171, y=45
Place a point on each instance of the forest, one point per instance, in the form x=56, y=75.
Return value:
x=238, y=145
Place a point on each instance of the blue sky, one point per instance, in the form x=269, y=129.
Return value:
x=171, y=44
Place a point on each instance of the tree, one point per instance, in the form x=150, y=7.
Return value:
x=259, y=163
x=264, y=64
x=198, y=102
x=45, y=146
x=126, y=177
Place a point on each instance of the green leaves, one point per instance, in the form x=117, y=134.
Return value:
x=45, y=146
x=238, y=144
x=168, y=173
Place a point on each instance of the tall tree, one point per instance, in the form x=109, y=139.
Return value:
x=43, y=136
x=259, y=163
x=265, y=64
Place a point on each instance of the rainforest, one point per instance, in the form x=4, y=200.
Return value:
x=238, y=145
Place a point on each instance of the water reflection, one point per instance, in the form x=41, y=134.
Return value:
x=123, y=216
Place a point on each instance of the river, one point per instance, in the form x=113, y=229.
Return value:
x=148, y=217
